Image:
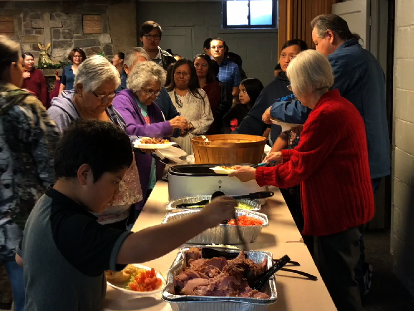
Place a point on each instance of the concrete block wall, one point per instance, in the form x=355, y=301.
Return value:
x=258, y=48
x=402, y=236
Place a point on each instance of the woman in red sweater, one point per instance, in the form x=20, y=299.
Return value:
x=331, y=164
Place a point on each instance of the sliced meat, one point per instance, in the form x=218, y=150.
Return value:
x=219, y=262
x=193, y=253
x=192, y=284
x=219, y=276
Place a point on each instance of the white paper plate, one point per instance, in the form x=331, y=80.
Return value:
x=132, y=292
x=285, y=126
x=222, y=171
x=139, y=145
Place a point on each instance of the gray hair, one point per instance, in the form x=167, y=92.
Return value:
x=94, y=71
x=143, y=73
x=335, y=23
x=132, y=55
x=309, y=72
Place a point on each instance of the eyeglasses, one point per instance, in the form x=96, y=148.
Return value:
x=153, y=37
x=217, y=47
x=181, y=73
x=152, y=92
x=290, y=56
x=105, y=98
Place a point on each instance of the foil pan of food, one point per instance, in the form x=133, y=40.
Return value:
x=205, y=283
x=244, y=204
x=250, y=223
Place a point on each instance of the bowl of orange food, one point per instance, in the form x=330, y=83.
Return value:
x=136, y=279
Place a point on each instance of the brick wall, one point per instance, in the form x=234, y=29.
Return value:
x=402, y=237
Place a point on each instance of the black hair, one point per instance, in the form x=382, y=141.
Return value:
x=206, y=44
x=102, y=145
x=148, y=26
x=212, y=71
x=253, y=88
x=236, y=58
x=334, y=23
x=121, y=55
x=80, y=51
x=226, y=48
x=27, y=54
x=302, y=44
x=9, y=53
x=193, y=85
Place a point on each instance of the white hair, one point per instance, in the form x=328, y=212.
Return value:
x=310, y=71
x=96, y=70
x=143, y=73
x=131, y=56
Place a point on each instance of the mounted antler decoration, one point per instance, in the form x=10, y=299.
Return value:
x=44, y=57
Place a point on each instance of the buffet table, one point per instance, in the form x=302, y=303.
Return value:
x=281, y=237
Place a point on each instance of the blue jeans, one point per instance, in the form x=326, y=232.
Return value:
x=15, y=273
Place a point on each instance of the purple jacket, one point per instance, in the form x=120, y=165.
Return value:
x=126, y=104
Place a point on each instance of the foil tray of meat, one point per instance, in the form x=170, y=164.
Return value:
x=218, y=283
x=218, y=234
x=245, y=204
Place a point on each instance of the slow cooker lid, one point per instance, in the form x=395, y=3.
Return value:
x=195, y=169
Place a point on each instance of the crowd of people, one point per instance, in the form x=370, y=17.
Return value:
x=327, y=167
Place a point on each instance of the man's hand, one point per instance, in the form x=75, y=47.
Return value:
x=267, y=116
x=220, y=209
x=274, y=157
x=26, y=74
x=179, y=122
x=244, y=173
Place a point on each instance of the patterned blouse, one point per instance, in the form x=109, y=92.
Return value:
x=195, y=110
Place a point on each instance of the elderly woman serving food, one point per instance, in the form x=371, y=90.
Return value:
x=95, y=86
x=331, y=163
x=144, y=118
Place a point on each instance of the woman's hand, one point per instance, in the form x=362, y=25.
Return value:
x=267, y=116
x=244, y=173
x=179, y=122
x=26, y=74
x=274, y=157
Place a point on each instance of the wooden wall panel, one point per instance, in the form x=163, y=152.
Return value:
x=295, y=18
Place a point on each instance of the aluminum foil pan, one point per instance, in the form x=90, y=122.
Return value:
x=213, y=303
x=216, y=235
x=197, y=198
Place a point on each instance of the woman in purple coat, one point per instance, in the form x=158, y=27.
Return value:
x=144, y=118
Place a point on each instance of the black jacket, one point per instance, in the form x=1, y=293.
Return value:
x=252, y=124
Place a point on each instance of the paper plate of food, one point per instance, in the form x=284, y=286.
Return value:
x=225, y=170
x=285, y=126
x=136, y=279
x=152, y=143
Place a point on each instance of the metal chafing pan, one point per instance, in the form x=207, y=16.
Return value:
x=197, y=198
x=216, y=235
x=214, y=303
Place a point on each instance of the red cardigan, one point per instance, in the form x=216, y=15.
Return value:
x=38, y=86
x=332, y=165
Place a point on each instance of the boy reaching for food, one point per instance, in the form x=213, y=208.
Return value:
x=65, y=251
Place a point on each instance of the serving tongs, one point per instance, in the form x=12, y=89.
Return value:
x=250, y=196
x=209, y=252
x=259, y=281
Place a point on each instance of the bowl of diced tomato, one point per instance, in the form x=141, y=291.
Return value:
x=136, y=279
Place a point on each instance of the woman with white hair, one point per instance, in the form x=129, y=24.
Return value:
x=143, y=117
x=95, y=85
x=331, y=163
